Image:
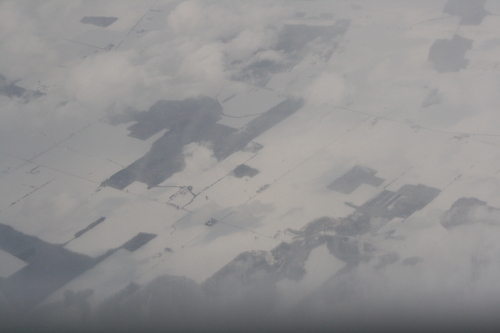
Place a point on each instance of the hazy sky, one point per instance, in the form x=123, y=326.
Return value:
x=407, y=89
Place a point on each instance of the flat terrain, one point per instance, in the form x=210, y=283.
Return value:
x=348, y=150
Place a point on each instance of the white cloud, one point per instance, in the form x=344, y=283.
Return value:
x=328, y=88
x=198, y=158
x=105, y=78
x=186, y=18
x=205, y=63
x=210, y=37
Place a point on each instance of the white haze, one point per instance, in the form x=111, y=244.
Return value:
x=364, y=105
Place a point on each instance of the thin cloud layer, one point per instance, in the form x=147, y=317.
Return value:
x=293, y=161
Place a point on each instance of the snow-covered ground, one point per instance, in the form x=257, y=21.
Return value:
x=372, y=96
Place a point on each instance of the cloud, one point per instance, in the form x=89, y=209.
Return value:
x=106, y=78
x=199, y=47
x=186, y=18
x=28, y=31
x=251, y=41
x=198, y=158
x=328, y=88
x=212, y=40
x=206, y=63
x=196, y=54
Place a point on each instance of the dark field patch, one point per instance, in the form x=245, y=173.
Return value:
x=403, y=203
x=137, y=241
x=100, y=21
x=90, y=226
x=449, y=55
x=295, y=37
x=354, y=178
x=189, y=121
x=244, y=170
x=472, y=12
x=49, y=267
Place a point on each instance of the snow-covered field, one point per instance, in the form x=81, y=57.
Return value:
x=372, y=96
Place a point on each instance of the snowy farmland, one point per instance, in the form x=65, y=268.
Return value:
x=320, y=155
